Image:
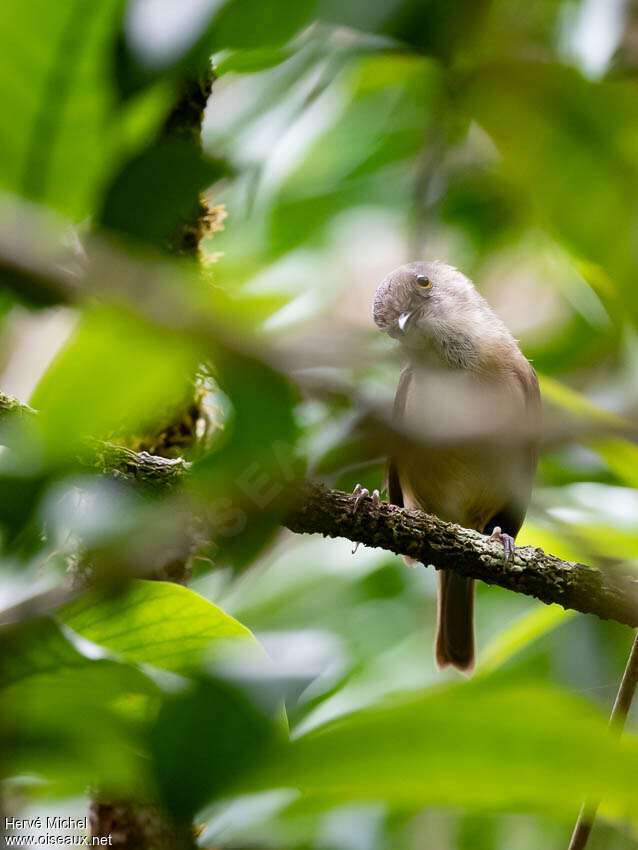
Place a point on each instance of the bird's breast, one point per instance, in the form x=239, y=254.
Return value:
x=463, y=461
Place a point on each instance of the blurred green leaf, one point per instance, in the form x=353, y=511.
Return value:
x=20, y=495
x=576, y=403
x=413, y=751
x=248, y=26
x=90, y=390
x=63, y=133
x=250, y=473
x=477, y=832
x=203, y=741
x=383, y=121
x=606, y=540
x=426, y=25
x=485, y=205
x=523, y=632
x=71, y=728
x=158, y=623
x=251, y=61
x=621, y=456
x=552, y=129
x=366, y=155
x=37, y=646
x=254, y=24
x=619, y=453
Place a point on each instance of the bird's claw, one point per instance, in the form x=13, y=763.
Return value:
x=506, y=540
x=363, y=493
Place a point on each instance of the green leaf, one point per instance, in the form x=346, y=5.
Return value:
x=478, y=832
x=621, y=456
x=255, y=24
x=39, y=649
x=431, y=27
x=577, y=404
x=74, y=728
x=552, y=129
x=493, y=743
x=204, y=740
x=619, y=453
x=246, y=481
x=67, y=718
x=252, y=61
x=253, y=28
x=90, y=390
x=485, y=205
x=37, y=646
x=71, y=720
x=63, y=133
x=524, y=631
x=20, y=496
x=153, y=622
x=366, y=157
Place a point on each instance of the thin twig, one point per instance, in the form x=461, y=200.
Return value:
x=617, y=720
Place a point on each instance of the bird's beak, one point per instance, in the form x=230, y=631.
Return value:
x=403, y=320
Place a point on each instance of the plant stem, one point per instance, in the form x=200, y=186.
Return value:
x=617, y=720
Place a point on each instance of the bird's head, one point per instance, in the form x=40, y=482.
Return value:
x=430, y=305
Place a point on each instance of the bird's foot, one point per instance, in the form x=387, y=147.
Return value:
x=506, y=540
x=363, y=493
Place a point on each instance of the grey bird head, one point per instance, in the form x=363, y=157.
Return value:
x=432, y=306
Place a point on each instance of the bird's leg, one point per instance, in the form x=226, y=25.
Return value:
x=363, y=493
x=507, y=541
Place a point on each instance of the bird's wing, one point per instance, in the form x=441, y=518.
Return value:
x=511, y=516
x=534, y=412
x=392, y=482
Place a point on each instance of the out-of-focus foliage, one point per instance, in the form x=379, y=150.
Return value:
x=64, y=132
x=341, y=140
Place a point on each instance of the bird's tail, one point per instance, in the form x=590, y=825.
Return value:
x=455, y=628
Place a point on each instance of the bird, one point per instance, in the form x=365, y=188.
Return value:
x=468, y=408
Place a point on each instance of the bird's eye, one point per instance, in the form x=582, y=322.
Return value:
x=423, y=281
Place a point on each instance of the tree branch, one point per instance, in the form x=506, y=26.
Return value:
x=611, y=594
x=146, y=469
